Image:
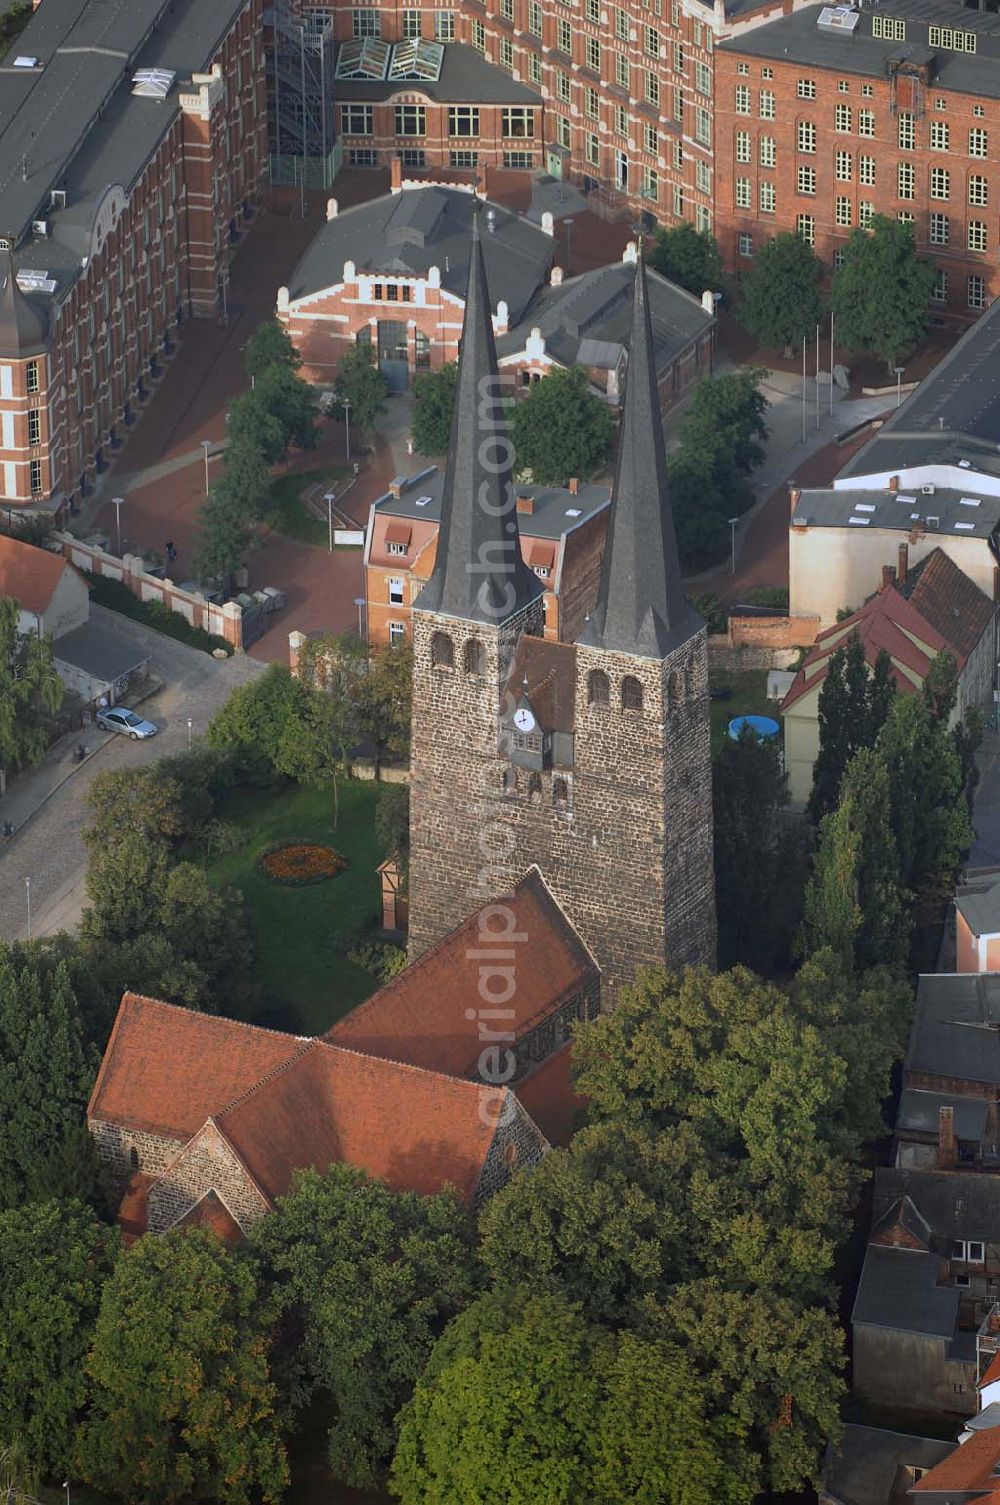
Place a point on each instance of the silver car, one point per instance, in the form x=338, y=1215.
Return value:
x=118, y=719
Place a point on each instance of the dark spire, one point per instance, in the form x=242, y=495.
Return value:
x=479, y=573
x=641, y=607
x=22, y=326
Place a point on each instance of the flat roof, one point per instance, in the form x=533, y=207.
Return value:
x=899, y=1290
x=100, y=651
x=902, y=510
x=556, y=511
x=466, y=78
x=956, y=1027
x=798, y=38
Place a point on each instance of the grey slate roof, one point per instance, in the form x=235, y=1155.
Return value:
x=981, y=909
x=954, y=414
x=595, y=310
x=956, y=1027
x=899, y=1290
x=557, y=510
x=466, y=78
x=799, y=39
x=100, y=652
x=827, y=507
x=479, y=573
x=405, y=234
x=956, y=1204
x=642, y=607
x=22, y=323
x=863, y=1468
x=919, y=1110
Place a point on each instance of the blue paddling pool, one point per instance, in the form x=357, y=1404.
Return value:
x=764, y=727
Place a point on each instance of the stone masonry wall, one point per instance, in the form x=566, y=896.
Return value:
x=115, y=1144
x=207, y=1163
x=517, y=1143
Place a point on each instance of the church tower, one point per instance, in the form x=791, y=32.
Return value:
x=591, y=759
x=466, y=625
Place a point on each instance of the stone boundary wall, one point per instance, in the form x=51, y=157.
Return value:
x=771, y=632
x=224, y=621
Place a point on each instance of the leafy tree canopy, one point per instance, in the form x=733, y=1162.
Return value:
x=54, y=1259
x=780, y=302
x=30, y=690
x=270, y=345
x=254, y=720
x=853, y=706
x=881, y=291
x=181, y=1401
x=290, y=400
x=561, y=429
x=373, y=1276
x=688, y=257
x=225, y=537
x=361, y=383
x=254, y=429
x=433, y=407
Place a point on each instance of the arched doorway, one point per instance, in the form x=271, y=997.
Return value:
x=392, y=354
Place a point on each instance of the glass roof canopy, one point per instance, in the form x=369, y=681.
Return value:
x=369, y=58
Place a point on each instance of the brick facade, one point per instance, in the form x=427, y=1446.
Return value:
x=206, y=1163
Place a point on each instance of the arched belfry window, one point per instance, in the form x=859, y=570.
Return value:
x=674, y=688
x=510, y=781
x=631, y=694
x=474, y=658
x=535, y=788
x=560, y=793
x=442, y=651
x=598, y=688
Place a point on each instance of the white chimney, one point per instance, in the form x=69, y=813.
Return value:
x=331, y=208
x=556, y=277
x=282, y=300
x=708, y=302
x=548, y=224
x=630, y=255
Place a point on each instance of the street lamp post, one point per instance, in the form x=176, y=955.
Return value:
x=206, y=445
x=329, y=498
x=66, y=1488
x=359, y=602
x=119, y=502
x=346, y=405
x=190, y=731
x=27, y=895
x=568, y=223
x=732, y=533
x=899, y=384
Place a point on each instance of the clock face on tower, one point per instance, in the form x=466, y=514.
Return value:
x=524, y=720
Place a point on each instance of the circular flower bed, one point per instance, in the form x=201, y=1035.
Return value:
x=302, y=862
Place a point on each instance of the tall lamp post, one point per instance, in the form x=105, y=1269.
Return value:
x=206, y=445
x=190, y=731
x=732, y=534
x=568, y=223
x=119, y=502
x=329, y=498
x=899, y=384
x=27, y=896
x=346, y=405
x=359, y=602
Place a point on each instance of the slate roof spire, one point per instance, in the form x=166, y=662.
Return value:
x=479, y=573
x=22, y=327
x=642, y=607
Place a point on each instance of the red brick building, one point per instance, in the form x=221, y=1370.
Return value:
x=123, y=226
x=829, y=115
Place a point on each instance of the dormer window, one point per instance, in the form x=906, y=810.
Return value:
x=968, y=1251
x=396, y=548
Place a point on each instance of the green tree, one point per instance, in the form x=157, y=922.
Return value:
x=758, y=862
x=881, y=291
x=360, y=383
x=433, y=406
x=688, y=257
x=780, y=302
x=940, y=686
x=30, y=691
x=46, y=1073
x=268, y=346
x=181, y=1402
x=254, y=721
x=701, y=510
x=292, y=402
x=245, y=487
x=384, y=699
x=725, y=419
x=254, y=430
x=54, y=1260
x=392, y=822
x=145, y=805
x=855, y=901
x=372, y=1277
x=853, y=706
x=225, y=538
x=561, y=429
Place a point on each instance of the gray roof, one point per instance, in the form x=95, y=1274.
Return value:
x=956, y=1027
x=799, y=39
x=829, y=507
x=899, y=1290
x=479, y=573
x=956, y=1204
x=864, y=1466
x=954, y=413
x=642, y=607
x=556, y=510
x=979, y=906
x=466, y=78
x=22, y=323
x=919, y=1113
x=587, y=320
x=74, y=124
x=405, y=234
x=100, y=651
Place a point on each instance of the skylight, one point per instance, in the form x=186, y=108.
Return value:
x=363, y=57
x=32, y=281
x=859, y=522
x=838, y=18
x=423, y=501
x=574, y=512
x=969, y=501
x=864, y=506
x=964, y=527
x=417, y=59
x=153, y=83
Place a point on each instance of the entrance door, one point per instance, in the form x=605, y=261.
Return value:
x=621, y=172
x=392, y=355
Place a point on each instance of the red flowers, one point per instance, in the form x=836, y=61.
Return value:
x=302, y=862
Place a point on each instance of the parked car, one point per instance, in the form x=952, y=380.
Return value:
x=119, y=719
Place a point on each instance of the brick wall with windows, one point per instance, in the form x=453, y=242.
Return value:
x=821, y=151
x=428, y=133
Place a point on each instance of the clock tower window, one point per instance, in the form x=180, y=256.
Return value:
x=442, y=651
x=474, y=657
x=631, y=694
x=598, y=688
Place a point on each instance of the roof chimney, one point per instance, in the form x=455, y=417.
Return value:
x=708, y=302
x=947, y=1146
x=573, y=485
x=556, y=277
x=894, y=483
x=793, y=498
x=903, y=562
x=396, y=175
x=397, y=486
x=526, y=504
x=332, y=209
x=888, y=576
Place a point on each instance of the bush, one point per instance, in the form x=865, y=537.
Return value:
x=117, y=597
x=380, y=958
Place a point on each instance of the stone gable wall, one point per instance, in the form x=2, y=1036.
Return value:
x=516, y=1144
x=207, y=1163
x=115, y=1144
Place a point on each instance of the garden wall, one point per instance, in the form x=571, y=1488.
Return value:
x=224, y=621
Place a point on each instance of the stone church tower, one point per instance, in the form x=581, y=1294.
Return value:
x=590, y=760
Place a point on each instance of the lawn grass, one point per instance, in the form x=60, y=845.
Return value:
x=749, y=698
x=288, y=513
x=300, y=934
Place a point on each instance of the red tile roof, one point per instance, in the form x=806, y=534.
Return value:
x=992, y=1372
x=423, y=1015
x=29, y=574
x=167, y=1069
x=951, y=602
x=416, y=1130
x=970, y=1469
x=549, y=1097
x=212, y=1213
